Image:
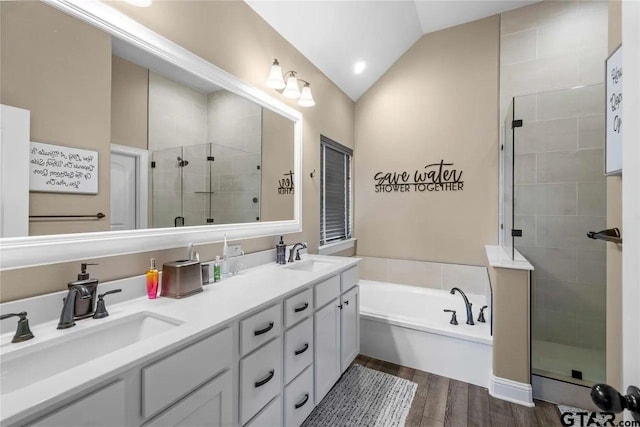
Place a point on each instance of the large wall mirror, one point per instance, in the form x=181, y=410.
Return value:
x=176, y=149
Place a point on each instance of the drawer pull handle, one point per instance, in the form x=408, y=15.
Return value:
x=346, y=302
x=303, y=401
x=304, y=348
x=263, y=331
x=266, y=379
x=303, y=307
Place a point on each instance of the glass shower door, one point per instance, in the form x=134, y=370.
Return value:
x=560, y=195
x=507, y=190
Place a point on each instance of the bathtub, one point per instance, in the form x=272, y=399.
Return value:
x=406, y=325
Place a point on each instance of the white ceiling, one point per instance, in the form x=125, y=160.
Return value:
x=333, y=35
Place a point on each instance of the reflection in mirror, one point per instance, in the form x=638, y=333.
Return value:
x=174, y=149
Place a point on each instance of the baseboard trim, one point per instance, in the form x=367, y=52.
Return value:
x=511, y=391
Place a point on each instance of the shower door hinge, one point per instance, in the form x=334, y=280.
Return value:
x=211, y=159
x=501, y=147
x=153, y=164
x=501, y=226
x=516, y=233
x=516, y=124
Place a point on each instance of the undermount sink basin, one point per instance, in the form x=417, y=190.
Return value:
x=40, y=361
x=311, y=265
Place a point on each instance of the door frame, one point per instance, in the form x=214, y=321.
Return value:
x=142, y=181
x=631, y=198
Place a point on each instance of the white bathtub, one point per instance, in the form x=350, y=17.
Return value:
x=407, y=325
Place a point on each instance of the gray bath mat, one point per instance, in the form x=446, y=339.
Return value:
x=364, y=397
x=598, y=420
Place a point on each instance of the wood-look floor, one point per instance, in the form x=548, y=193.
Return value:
x=441, y=401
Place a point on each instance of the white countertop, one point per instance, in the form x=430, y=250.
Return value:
x=498, y=257
x=219, y=304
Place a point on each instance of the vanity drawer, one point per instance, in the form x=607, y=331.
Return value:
x=271, y=415
x=298, y=399
x=298, y=349
x=350, y=278
x=260, y=379
x=327, y=290
x=260, y=328
x=168, y=379
x=298, y=307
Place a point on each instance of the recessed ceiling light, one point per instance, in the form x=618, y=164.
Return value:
x=139, y=3
x=359, y=67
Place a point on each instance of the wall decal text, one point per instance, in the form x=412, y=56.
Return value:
x=433, y=177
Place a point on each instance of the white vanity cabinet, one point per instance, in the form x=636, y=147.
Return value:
x=267, y=366
x=337, y=329
x=105, y=407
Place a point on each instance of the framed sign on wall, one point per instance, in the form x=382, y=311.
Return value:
x=613, y=113
x=58, y=169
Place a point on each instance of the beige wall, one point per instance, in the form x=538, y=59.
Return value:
x=614, y=252
x=34, y=38
x=232, y=36
x=438, y=101
x=129, y=103
x=277, y=159
x=511, y=350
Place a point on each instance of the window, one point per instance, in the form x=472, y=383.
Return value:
x=335, y=191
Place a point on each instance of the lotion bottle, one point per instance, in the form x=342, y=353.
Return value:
x=152, y=280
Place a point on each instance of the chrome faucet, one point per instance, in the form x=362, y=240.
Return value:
x=69, y=305
x=466, y=303
x=293, y=249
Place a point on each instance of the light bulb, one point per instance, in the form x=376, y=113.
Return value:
x=306, y=99
x=292, y=90
x=275, y=79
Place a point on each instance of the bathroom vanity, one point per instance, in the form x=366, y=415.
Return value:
x=261, y=348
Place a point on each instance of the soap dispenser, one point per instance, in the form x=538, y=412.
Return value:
x=281, y=252
x=84, y=307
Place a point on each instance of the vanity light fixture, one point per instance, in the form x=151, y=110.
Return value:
x=276, y=80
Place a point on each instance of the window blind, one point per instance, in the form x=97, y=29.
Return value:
x=335, y=191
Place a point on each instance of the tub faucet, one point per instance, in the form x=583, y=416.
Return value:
x=466, y=303
x=293, y=249
x=69, y=305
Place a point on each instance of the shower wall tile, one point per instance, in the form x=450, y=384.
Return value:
x=590, y=67
x=373, y=269
x=526, y=223
x=590, y=165
x=558, y=264
x=525, y=169
x=592, y=199
x=592, y=267
x=518, y=47
x=560, y=37
x=533, y=76
x=591, y=131
x=544, y=136
x=585, y=101
x=520, y=19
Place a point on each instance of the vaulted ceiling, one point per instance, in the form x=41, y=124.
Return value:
x=335, y=35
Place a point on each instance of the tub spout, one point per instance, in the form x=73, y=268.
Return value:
x=466, y=303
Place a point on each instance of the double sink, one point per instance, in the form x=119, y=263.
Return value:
x=31, y=362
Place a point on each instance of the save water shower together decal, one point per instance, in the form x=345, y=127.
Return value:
x=433, y=177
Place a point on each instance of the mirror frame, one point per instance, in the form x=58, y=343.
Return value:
x=21, y=252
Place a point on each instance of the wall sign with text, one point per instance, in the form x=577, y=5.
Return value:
x=58, y=169
x=285, y=185
x=433, y=177
x=613, y=142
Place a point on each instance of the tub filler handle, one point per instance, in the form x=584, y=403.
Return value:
x=454, y=319
x=481, y=318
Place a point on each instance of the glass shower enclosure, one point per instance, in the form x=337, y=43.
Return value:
x=204, y=184
x=554, y=191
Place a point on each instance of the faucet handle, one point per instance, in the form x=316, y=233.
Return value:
x=23, y=333
x=101, y=309
x=481, y=318
x=454, y=319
